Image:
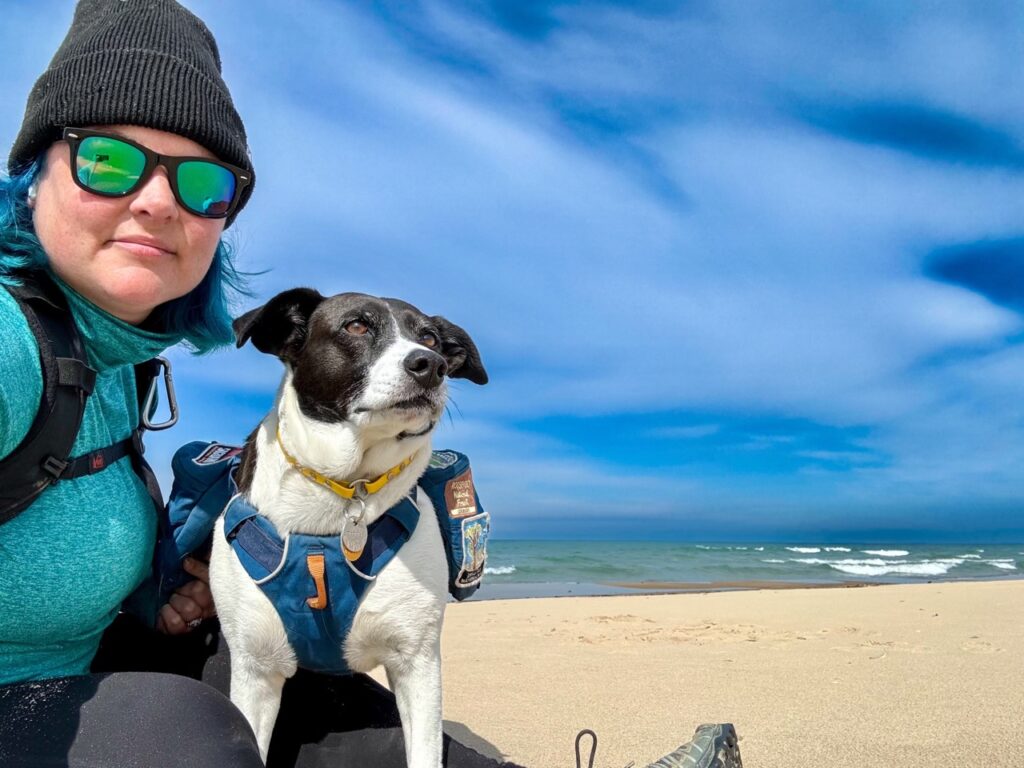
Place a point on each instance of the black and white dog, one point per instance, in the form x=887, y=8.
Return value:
x=364, y=386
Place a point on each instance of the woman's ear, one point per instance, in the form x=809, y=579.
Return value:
x=460, y=352
x=279, y=326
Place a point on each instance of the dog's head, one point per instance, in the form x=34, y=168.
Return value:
x=378, y=363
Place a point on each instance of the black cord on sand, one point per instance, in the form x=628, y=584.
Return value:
x=593, y=748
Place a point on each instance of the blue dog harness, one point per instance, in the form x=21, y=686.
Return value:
x=317, y=620
x=307, y=578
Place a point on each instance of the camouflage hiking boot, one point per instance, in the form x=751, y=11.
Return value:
x=714, y=745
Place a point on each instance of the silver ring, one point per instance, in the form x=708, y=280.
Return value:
x=194, y=623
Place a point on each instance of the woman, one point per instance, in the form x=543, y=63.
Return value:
x=99, y=204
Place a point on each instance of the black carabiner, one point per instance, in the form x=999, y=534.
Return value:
x=172, y=401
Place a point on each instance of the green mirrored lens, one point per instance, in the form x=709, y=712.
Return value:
x=108, y=166
x=206, y=188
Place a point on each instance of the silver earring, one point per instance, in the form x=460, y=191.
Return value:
x=33, y=191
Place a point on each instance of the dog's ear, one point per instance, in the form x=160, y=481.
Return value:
x=279, y=326
x=460, y=352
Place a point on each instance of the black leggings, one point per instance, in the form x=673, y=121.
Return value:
x=123, y=719
x=139, y=708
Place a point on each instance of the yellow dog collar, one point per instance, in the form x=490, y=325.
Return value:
x=345, y=490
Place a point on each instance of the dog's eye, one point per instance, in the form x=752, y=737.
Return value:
x=428, y=339
x=357, y=328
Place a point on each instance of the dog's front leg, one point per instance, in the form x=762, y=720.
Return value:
x=416, y=683
x=257, y=693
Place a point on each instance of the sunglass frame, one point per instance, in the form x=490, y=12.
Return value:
x=243, y=178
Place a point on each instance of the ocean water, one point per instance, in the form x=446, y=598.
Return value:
x=529, y=568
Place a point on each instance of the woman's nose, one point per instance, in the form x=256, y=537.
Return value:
x=155, y=198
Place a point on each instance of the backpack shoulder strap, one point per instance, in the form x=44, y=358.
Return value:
x=42, y=455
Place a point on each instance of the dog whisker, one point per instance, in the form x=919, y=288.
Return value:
x=448, y=411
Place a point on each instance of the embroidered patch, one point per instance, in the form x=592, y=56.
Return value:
x=475, y=531
x=215, y=453
x=459, y=496
x=442, y=459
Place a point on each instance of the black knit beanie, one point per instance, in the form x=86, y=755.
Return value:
x=134, y=62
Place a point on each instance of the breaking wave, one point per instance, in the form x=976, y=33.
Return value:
x=1006, y=565
x=886, y=552
x=877, y=567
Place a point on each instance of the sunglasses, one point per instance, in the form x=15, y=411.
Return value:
x=112, y=166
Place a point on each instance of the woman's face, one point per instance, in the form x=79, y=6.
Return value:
x=126, y=255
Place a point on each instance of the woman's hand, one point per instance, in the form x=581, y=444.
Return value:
x=189, y=604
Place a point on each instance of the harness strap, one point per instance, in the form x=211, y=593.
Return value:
x=257, y=537
x=386, y=532
x=75, y=373
x=94, y=461
x=66, y=383
x=261, y=545
x=42, y=457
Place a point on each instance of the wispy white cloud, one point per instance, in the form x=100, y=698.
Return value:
x=687, y=433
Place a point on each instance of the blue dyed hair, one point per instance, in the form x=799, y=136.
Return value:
x=201, y=316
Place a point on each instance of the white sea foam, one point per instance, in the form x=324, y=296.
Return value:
x=877, y=567
x=848, y=561
x=886, y=552
x=500, y=570
x=837, y=549
x=761, y=549
x=773, y=561
x=1006, y=565
x=971, y=557
x=804, y=550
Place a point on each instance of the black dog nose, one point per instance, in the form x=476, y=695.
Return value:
x=428, y=368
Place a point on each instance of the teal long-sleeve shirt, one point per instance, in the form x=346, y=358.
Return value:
x=70, y=559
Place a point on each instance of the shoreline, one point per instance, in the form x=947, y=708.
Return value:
x=540, y=590
x=742, y=584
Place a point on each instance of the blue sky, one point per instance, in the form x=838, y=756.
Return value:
x=737, y=270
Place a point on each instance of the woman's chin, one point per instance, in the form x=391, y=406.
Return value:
x=131, y=294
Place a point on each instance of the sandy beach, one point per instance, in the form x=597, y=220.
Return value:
x=913, y=674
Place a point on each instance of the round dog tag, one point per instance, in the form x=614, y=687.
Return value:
x=353, y=539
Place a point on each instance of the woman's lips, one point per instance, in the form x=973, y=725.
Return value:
x=144, y=249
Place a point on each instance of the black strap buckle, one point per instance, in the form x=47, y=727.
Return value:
x=54, y=466
x=74, y=373
x=172, y=401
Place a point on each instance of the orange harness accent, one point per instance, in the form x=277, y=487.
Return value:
x=315, y=563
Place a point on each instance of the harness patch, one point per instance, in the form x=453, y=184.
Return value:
x=460, y=495
x=216, y=453
x=475, y=531
x=442, y=459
